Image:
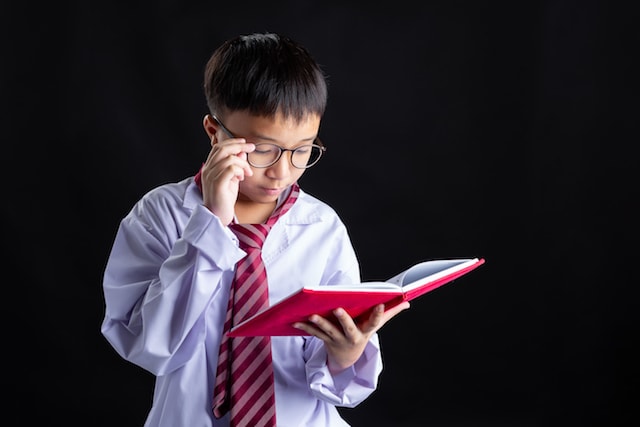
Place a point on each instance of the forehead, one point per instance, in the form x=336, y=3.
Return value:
x=278, y=128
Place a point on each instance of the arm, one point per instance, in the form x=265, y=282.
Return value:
x=342, y=363
x=172, y=263
x=345, y=344
x=350, y=386
x=161, y=279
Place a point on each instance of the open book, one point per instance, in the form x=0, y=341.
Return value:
x=357, y=299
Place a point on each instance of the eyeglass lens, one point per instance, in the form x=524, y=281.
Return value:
x=267, y=154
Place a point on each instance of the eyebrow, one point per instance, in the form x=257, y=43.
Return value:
x=258, y=136
x=273, y=140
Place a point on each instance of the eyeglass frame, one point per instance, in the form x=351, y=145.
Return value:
x=319, y=144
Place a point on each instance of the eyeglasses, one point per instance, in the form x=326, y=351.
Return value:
x=267, y=154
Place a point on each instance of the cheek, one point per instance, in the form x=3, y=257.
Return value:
x=297, y=173
x=252, y=181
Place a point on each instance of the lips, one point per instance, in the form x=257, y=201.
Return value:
x=273, y=191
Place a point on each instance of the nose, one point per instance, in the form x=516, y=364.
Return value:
x=282, y=168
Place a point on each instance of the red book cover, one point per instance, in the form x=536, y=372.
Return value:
x=356, y=299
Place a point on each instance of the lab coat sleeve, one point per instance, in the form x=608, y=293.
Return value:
x=355, y=384
x=351, y=386
x=158, y=284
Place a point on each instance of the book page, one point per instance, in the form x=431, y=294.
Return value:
x=428, y=271
x=358, y=287
x=356, y=299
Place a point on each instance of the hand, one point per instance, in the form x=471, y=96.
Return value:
x=225, y=167
x=346, y=342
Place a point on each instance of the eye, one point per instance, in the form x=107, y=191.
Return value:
x=266, y=149
x=304, y=149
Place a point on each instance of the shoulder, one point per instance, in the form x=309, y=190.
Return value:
x=313, y=202
x=170, y=197
x=309, y=209
x=310, y=203
x=171, y=190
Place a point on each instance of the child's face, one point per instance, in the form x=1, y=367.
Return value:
x=267, y=183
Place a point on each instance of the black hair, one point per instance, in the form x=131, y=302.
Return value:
x=265, y=74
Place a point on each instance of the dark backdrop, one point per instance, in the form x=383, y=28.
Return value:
x=494, y=129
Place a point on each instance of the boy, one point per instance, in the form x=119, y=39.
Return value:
x=170, y=276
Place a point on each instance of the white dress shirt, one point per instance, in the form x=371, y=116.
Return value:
x=166, y=287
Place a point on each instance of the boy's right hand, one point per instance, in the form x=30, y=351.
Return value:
x=225, y=167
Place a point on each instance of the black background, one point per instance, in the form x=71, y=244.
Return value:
x=504, y=130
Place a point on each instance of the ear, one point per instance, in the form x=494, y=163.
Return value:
x=210, y=127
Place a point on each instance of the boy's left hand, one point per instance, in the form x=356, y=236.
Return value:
x=346, y=342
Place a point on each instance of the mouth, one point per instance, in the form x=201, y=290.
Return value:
x=272, y=191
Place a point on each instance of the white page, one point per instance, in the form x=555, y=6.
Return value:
x=435, y=269
x=408, y=279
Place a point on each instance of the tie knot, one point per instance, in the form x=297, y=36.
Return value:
x=250, y=235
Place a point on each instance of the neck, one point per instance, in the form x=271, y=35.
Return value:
x=253, y=213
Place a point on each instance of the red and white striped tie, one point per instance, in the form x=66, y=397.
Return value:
x=244, y=379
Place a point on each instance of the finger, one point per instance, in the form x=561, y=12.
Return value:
x=231, y=147
x=387, y=315
x=395, y=310
x=312, y=330
x=348, y=324
x=225, y=156
x=326, y=326
x=231, y=171
x=374, y=321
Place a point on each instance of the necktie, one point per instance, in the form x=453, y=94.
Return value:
x=244, y=379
